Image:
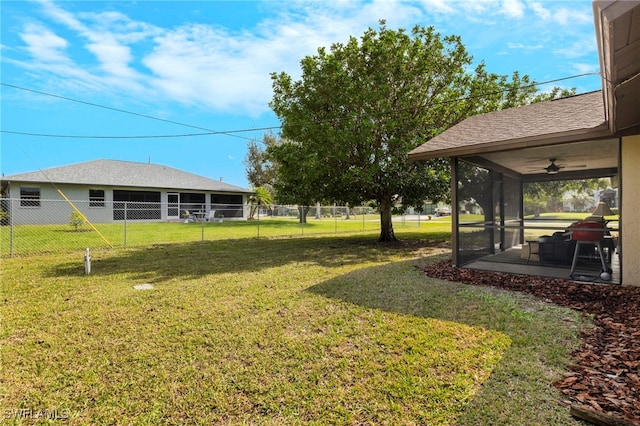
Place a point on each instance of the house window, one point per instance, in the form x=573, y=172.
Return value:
x=227, y=205
x=29, y=196
x=192, y=201
x=136, y=205
x=96, y=198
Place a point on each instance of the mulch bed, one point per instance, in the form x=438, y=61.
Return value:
x=605, y=377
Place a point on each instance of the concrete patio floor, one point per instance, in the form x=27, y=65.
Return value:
x=510, y=262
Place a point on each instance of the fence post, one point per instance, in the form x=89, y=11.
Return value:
x=11, y=213
x=125, y=224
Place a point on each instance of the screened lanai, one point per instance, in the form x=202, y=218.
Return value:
x=503, y=217
x=503, y=155
x=516, y=210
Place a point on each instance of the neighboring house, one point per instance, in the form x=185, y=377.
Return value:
x=112, y=191
x=609, y=196
x=576, y=201
x=493, y=155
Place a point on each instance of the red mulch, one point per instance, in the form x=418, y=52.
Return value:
x=606, y=374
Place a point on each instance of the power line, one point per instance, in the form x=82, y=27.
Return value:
x=114, y=109
x=227, y=132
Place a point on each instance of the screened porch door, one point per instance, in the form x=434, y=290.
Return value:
x=173, y=205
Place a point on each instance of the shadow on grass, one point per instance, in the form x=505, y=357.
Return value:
x=197, y=259
x=519, y=389
x=395, y=288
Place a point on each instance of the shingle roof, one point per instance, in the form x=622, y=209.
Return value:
x=575, y=115
x=125, y=174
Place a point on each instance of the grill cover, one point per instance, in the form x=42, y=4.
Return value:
x=584, y=231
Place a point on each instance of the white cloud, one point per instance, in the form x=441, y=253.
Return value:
x=585, y=68
x=513, y=8
x=220, y=69
x=231, y=71
x=43, y=44
x=106, y=36
x=577, y=48
x=439, y=6
x=525, y=47
x=559, y=15
x=197, y=64
x=486, y=10
x=567, y=17
x=113, y=56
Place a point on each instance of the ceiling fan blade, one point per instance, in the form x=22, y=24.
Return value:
x=554, y=167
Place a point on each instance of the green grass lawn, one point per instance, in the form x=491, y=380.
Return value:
x=26, y=240
x=314, y=330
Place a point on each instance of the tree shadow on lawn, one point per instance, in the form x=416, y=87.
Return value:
x=519, y=390
x=197, y=259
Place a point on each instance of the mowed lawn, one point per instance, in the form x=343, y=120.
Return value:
x=26, y=240
x=314, y=330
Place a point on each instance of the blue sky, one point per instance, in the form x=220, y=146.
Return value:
x=207, y=64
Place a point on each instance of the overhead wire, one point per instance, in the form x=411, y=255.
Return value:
x=229, y=132
x=210, y=132
x=93, y=104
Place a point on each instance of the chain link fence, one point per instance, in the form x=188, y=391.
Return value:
x=34, y=226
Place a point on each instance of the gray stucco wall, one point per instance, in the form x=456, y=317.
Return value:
x=54, y=209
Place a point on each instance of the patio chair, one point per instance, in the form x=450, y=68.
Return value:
x=211, y=216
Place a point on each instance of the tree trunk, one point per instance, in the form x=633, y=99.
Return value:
x=386, y=224
x=303, y=210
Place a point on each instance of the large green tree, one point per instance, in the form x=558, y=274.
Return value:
x=360, y=107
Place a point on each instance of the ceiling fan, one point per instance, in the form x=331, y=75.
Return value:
x=554, y=168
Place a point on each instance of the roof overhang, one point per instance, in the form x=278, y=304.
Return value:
x=617, y=25
x=527, y=132
x=538, y=141
x=523, y=141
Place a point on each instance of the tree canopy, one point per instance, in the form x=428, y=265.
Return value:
x=360, y=107
x=260, y=197
x=547, y=196
x=261, y=172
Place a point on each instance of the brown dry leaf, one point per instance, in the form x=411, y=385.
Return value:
x=582, y=397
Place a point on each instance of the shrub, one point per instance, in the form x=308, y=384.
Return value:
x=76, y=219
